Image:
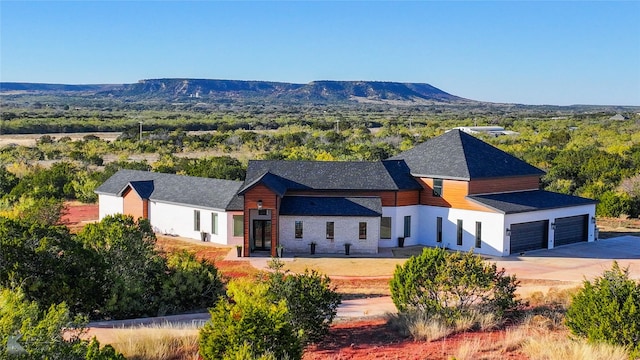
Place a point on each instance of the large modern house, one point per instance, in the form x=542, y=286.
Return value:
x=453, y=191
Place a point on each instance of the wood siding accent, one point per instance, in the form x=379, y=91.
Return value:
x=135, y=206
x=499, y=185
x=388, y=198
x=454, y=194
x=269, y=201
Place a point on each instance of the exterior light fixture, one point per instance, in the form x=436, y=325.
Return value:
x=508, y=232
x=259, y=204
x=593, y=219
x=553, y=225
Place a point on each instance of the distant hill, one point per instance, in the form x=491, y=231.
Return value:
x=251, y=91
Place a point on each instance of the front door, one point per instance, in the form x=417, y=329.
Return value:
x=262, y=234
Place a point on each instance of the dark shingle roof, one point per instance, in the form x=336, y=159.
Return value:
x=331, y=206
x=458, y=155
x=179, y=189
x=517, y=202
x=284, y=175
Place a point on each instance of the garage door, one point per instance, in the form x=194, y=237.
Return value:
x=571, y=230
x=529, y=236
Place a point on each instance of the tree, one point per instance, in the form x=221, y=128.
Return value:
x=450, y=285
x=608, y=310
x=249, y=319
x=133, y=268
x=49, y=334
x=312, y=302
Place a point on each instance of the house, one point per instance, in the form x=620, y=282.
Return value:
x=618, y=117
x=489, y=130
x=454, y=191
x=186, y=206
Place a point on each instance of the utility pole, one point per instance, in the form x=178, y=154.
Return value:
x=337, y=125
x=140, y=130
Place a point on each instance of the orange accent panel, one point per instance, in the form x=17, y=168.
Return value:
x=454, y=194
x=388, y=198
x=269, y=201
x=133, y=205
x=405, y=198
x=487, y=186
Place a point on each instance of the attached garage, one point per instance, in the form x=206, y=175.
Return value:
x=570, y=230
x=529, y=236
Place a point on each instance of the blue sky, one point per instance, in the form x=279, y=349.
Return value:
x=553, y=52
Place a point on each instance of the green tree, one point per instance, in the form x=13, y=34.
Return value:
x=50, y=334
x=439, y=282
x=312, y=302
x=608, y=310
x=249, y=317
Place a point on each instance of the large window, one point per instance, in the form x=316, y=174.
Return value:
x=196, y=220
x=214, y=223
x=478, y=234
x=362, y=231
x=238, y=225
x=437, y=187
x=298, y=230
x=459, y=242
x=385, y=228
x=407, y=226
x=439, y=229
x=330, y=230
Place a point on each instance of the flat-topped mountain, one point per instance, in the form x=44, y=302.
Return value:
x=239, y=90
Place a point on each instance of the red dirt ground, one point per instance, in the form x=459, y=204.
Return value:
x=75, y=214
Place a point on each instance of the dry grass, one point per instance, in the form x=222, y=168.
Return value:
x=469, y=350
x=553, y=347
x=422, y=327
x=158, y=342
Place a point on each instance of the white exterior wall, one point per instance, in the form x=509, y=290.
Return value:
x=109, y=205
x=233, y=240
x=492, y=229
x=550, y=215
x=345, y=231
x=397, y=215
x=175, y=219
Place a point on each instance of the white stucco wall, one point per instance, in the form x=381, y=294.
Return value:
x=109, y=205
x=397, y=215
x=345, y=231
x=550, y=215
x=492, y=229
x=176, y=219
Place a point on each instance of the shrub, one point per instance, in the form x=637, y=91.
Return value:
x=312, y=302
x=451, y=285
x=608, y=310
x=249, y=316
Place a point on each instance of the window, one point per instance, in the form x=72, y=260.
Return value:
x=298, y=230
x=478, y=234
x=262, y=212
x=330, y=230
x=439, y=229
x=214, y=223
x=437, y=187
x=385, y=228
x=362, y=231
x=238, y=225
x=459, y=232
x=407, y=226
x=196, y=220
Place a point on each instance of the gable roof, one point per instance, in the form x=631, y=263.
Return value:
x=178, y=189
x=283, y=175
x=331, y=206
x=458, y=155
x=524, y=201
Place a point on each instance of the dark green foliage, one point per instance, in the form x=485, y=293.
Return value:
x=190, y=284
x=132, y=267
x=450, y=285
x=311, y=301
x=608, y=310
x=249, y=319
x=49, y=334
x=7, y=181
x=221, y=167
x=53, y=182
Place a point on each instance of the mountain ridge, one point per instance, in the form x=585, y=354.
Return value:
x=320, y=91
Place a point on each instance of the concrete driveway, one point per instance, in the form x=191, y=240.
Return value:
x=576, y=262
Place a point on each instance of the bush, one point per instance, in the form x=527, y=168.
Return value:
x=452, y=285
x=249, y=319
x=608, y=310
x=311, y=301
